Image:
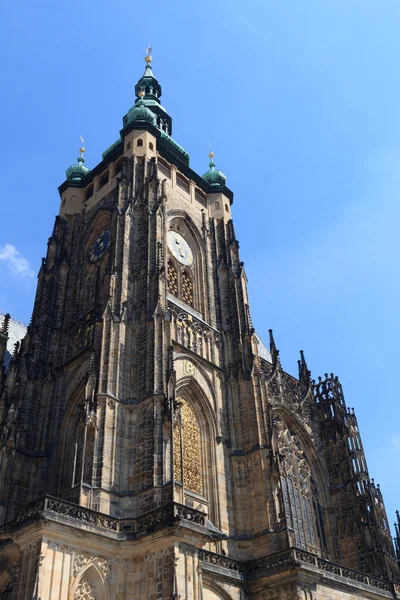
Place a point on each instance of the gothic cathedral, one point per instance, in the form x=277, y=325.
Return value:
x=152, y=447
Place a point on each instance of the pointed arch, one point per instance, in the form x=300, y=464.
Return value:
x=70, y=450
x=188, y=460
x=297, y=426
x=302, y=488
x=213, y=591
x=91, y=584
x=191, y=279
x=197, y=392
x=76, y=446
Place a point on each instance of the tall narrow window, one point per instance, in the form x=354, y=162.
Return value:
x=299, y=491
x=187, y=449
x=187, y=289
x=172, y=279
x=89, y=455
x=79, y=442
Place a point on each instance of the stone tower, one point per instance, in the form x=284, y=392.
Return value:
x=151, y=446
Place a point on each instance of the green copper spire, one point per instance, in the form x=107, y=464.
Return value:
x=148, y=93
x=214, y=177
x=79, y=171
x=148, y=83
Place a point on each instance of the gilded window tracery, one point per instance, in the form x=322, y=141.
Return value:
x=172, y=279
x=187, y=289
x=299, y=490
x=187, y=449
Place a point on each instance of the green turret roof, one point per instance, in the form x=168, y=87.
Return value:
x=77, y=172
x=140, y=112
x=214, y=177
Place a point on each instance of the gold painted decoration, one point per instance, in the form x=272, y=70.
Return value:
x=187, y=449
x=187, y=289
x=172, y=279
x=177, y=453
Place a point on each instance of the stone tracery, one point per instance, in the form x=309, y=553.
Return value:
x=299, y=490
x=84, y=591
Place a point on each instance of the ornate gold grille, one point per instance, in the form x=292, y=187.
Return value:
x=172, y=279
x=187, y=449
x=187, y=289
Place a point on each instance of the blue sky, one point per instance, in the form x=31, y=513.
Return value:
x=300, y=100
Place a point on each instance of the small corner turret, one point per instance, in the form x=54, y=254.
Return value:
x=78, y=171
x=214, y=177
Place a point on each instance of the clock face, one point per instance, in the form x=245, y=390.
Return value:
x=100, y=245
x=180, y=248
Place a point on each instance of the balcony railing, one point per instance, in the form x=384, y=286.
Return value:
x=289, y=559
x=55, y=509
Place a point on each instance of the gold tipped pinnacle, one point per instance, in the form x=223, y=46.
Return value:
x=141, y=94
x=148, y=57
x=211, y=153
x=82, y=149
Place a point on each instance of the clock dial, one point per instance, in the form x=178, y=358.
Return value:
x=179, y=248
x=100, y=245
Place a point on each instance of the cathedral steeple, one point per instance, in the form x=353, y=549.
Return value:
x=149, y=442
x=148, y=94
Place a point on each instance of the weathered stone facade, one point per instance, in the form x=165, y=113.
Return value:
x=152, y=447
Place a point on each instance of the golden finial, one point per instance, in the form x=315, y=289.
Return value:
x=211, y=153
x=82, y=149
x=148, y=57
x=141, y=94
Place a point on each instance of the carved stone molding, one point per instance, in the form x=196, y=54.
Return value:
x=82, y=560
x=158, y=554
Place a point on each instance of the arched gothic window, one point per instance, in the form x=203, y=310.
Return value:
x=89, y=455
x=172, y=279
x=92, y=585
x=187, y=449
x=300, y=494
x=77, y=443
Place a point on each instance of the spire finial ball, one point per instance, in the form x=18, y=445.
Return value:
x=82, y=150
x=211, y=154
x=141, y=94
x=148, y=59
